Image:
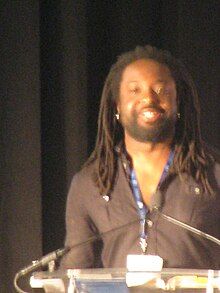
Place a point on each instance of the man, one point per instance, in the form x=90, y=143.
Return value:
x=148, y=142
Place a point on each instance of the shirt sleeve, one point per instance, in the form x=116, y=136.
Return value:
x=79, y=228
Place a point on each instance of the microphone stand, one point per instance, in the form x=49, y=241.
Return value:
x=45, y=260
x=156, y=206
x=53, y=256
x=188, y=227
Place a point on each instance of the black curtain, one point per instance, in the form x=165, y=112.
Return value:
x=20, y=210
x=55, y=56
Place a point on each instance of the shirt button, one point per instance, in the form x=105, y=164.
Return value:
x=149, y=223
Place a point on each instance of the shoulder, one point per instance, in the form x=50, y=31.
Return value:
x=82, y=184
x=213, y=152
x=213, y=171
x=85, y=174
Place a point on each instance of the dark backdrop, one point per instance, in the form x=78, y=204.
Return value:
x=55, y=56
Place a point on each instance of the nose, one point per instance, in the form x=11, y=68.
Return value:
x=148, y=98
x=145, y=100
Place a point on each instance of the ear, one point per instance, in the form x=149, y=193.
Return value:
x=118, y=107
x=177, y=104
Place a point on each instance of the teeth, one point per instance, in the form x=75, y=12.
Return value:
x=148, y=114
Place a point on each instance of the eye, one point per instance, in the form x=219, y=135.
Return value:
x=134, y=90
x=162, y=91
x=158, y=91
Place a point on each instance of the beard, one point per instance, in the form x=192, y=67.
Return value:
x=159, y=131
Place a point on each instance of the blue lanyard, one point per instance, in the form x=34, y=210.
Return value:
x=141, y=207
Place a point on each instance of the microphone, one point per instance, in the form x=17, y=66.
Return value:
x=53, y=256
x=50, y=257
x=156, y=204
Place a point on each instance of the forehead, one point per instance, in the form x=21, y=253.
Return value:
x=146, y=69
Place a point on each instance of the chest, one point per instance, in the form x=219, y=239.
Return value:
x=148, y=182
x=180, y=200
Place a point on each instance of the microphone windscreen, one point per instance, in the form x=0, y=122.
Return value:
x=156, y=200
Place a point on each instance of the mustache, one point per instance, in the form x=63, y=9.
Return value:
x=152, y=106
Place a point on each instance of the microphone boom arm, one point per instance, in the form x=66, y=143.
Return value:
x=189, y=228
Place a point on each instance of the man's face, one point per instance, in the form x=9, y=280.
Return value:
x=147, y=101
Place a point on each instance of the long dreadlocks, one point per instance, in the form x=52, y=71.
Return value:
x=190, y=156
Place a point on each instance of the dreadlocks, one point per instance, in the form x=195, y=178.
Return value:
x=190, y=157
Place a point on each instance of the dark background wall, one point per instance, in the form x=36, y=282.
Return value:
x=55, y=56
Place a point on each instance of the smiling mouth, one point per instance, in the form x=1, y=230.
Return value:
x=151, y=114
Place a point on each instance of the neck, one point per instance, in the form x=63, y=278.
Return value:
x=149, y=151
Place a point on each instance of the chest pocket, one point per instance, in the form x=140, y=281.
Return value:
x=185, y=201
x=114, y=211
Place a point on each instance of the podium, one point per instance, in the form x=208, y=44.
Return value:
x=122, y=281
